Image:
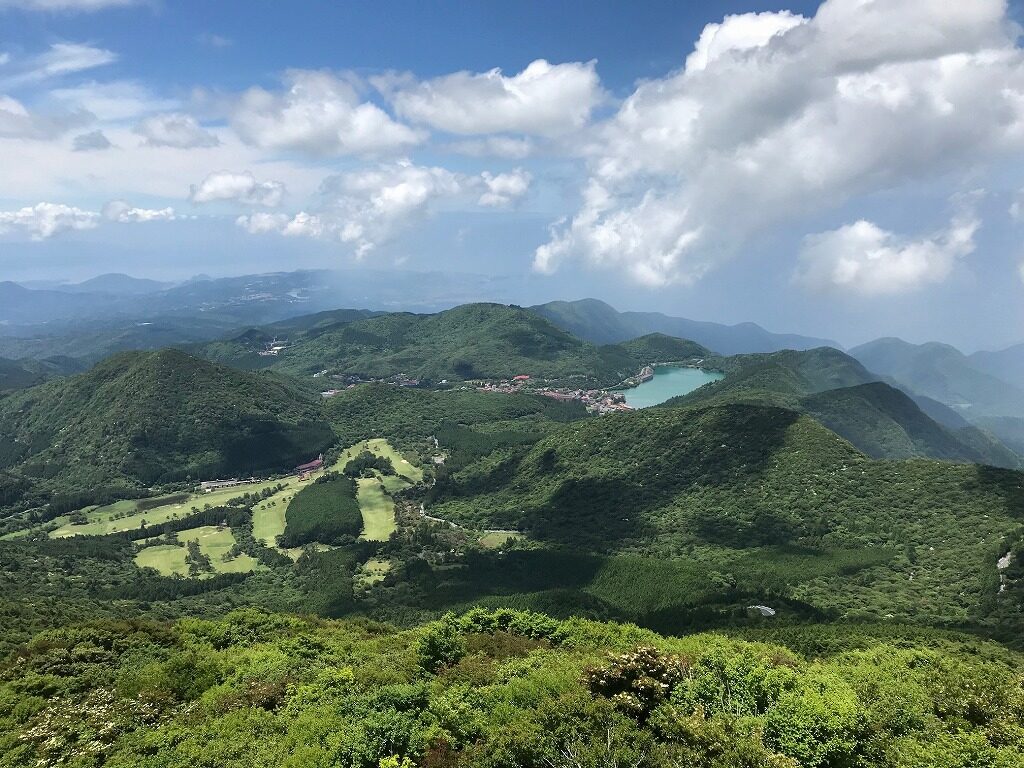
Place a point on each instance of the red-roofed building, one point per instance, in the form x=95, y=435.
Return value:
x=521, y=377
x=312, y=466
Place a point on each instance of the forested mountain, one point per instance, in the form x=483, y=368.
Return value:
x=842, y=394
x=21, y=374
x=149, y=417
x=115, y=283
x=727, y=486
x=470, y=341
x=599, y=323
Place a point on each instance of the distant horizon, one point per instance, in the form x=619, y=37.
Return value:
x=842, y=344
x=694, y=167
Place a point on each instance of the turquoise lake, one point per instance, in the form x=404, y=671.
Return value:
x=668, y=383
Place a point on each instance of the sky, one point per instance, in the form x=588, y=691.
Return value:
x=849, y=169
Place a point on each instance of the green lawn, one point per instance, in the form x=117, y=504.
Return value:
x=101, y=522
x=214, y=542
x=382, y=447
x=268, y=515
x=498, y=539
x=377, y=508
x=169, y=559
x=373, y=571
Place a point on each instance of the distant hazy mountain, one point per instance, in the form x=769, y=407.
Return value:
x=597, y=322
x=1006, y=364
x=117, y=283
x=943, y=373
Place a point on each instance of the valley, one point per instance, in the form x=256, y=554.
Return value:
x=485, y=462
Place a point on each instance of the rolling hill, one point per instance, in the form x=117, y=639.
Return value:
x=842, y=394
x=471, y=341
x=599, y=323
x=150, y=417
x=727, y=486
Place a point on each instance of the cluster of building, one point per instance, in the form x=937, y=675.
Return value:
x=303, y=471
x=272, y=349
x=595, y=400
x=349, y=381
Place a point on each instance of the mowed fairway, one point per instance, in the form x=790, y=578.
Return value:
x=169, y=559
x=382, y=447
x=101, y=520
x=214, y=542
x=268, y=515
x=377, y=509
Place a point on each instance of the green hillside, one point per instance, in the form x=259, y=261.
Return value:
x=471, y=341
x=709, y=484
x=842, y=394
x=152, y=417
x=25, y=372
x=883, y=422
x=659, y=348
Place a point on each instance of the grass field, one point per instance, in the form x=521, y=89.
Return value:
x=498, y=539
x=373, y=571
x=101, y=519
x=377, y=508
x=169, y=559
x=268, y=515
x=214, y=542
x=382, y=447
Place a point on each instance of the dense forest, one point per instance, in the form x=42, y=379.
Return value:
x=474, y=341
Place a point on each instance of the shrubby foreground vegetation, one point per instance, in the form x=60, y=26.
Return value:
x=500, y=688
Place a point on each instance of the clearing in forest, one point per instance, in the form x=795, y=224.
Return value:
x=377, y=508
x=214, y=542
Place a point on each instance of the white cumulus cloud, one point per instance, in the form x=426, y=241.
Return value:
x=546, y=99
x=123, y=213
x=239, y=187
x=775, y=115
x=865, y=259
x=44, y=220
x=369, y=206
x=321, y=114
x=175, y=130
x=504, y=188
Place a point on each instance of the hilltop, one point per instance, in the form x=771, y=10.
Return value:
x=600, y=323
x=471, y=341
x=842, y=394
x=151, y=417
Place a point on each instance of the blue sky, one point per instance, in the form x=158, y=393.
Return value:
x=846, y=170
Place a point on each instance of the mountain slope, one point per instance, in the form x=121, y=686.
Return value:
x=1006, y=364
x=944, y=373
x=597, y=322
x=842, y=394
x=154, y=417
x=471, y=341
